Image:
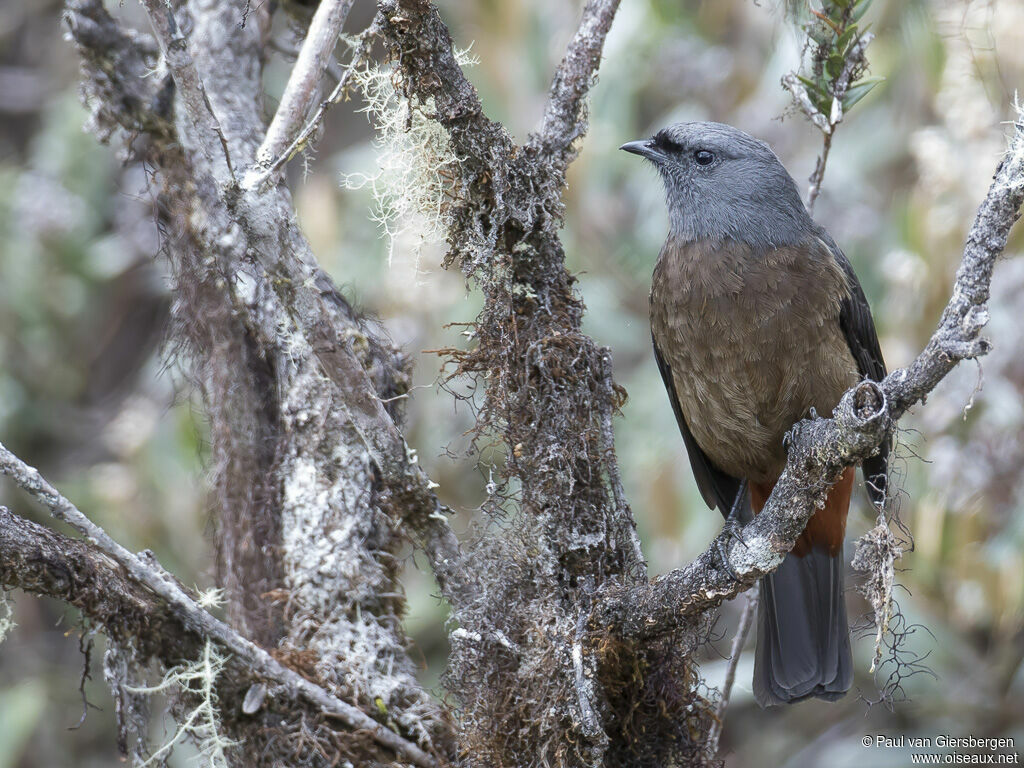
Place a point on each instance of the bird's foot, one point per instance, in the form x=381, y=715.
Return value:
x=733, y=529
x=722, y=546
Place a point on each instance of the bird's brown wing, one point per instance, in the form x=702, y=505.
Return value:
x=717, y=488
x=859, y=329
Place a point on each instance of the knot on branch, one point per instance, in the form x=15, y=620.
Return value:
x=868, y=401
x=975, y=319
x=820, y=447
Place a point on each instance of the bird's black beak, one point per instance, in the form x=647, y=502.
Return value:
x=644, y=148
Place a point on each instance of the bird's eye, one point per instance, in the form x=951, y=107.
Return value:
x=703, y=157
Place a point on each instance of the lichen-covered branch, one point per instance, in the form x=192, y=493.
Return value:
x=549, y=399
x=209, y=136
x=565, y=116
x=43, y=562
x=504, y=232
x=198, y=620
x=299, y=499
x=119, y=89
x=269, y=235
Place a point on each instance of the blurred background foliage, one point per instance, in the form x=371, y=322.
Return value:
x=91, y=390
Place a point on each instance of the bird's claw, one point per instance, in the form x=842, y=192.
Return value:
x=722, y=546
x=733, y=529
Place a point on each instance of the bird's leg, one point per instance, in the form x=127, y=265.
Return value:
x=733, y=523
x=733, y=528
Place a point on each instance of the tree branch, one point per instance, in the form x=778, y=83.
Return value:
x=820, y=449
x=196, y=619
x=255, y=178
x=565, y=117
x=43, y=562
x=119, y=88
x=174, y=47
x=735, y=651
x=306, y=295
x=304, y=80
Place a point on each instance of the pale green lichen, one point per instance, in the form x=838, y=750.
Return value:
x=6, y=612
x=417, y=170
x=194, y=682
x=876, y=555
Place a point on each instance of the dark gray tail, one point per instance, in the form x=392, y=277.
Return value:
x=803, y=641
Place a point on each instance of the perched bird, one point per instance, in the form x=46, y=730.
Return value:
x=758, y=320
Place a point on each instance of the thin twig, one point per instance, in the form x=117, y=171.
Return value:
x=199, y=620
x=304, y=80
x=260, y=176
x=816, y=178
x=854, y=60
x=738, y=641
x=827, y=123
x=174, y=48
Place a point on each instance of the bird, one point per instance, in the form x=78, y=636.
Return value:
x=758, y=321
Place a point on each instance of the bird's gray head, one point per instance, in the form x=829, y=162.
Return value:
x=722, y=183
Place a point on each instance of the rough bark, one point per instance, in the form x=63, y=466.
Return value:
x=306, y=554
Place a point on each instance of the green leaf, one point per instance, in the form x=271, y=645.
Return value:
x=860, y=9
x=818, y=95
x=834, y=65
x=859, y=90
x=811, y=85
x=846, y=39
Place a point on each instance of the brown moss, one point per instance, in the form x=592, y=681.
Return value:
x=656, y=714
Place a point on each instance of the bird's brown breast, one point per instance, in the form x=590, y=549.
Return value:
x=753, y=341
